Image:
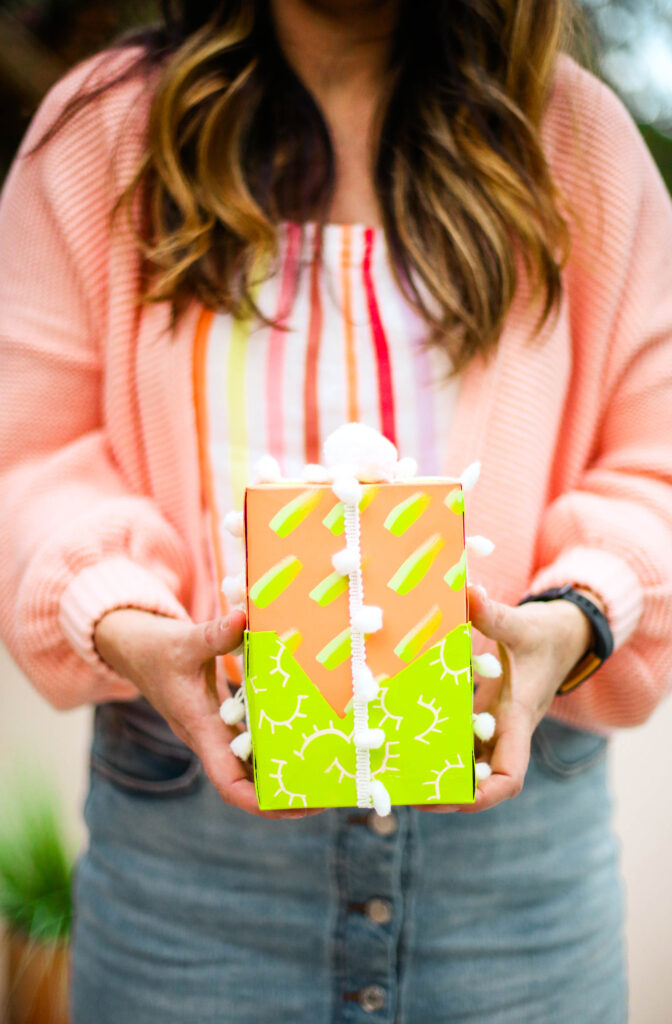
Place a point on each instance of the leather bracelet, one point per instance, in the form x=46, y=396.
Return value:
x=603, y=640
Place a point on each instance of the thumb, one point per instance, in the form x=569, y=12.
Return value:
x=497, y=621
x=218, y=636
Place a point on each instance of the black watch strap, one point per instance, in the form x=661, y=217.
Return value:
x=603, y=640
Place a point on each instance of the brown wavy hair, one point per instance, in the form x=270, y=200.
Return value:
x=236, y=143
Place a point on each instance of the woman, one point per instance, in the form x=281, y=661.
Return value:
x=306, y=194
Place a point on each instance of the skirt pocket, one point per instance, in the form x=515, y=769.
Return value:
x=563, y=751
x=140, y=763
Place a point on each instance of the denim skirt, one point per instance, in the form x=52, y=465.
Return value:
x=188, y=911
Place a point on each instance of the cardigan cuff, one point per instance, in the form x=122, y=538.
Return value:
x=608, y=576
x=100, y=588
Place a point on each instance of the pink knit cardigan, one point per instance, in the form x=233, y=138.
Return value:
x=101, y=504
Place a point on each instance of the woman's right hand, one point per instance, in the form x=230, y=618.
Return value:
x=172, y=663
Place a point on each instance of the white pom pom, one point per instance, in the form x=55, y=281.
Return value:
x=483, y=771
x=484, y=726
x=364, y=684
x=406, y=469
x=347, y=489
x=478, y=545
x=369, y=618
x=382, y=804
x=470, y=476
x=369, y=739
x=313, y=473
x=242, y=745
x=267, y=470
x=232, y=711
x=234, y=588
x=345, y=561
x=487, y=665
x=370, y=454
x=234, y=523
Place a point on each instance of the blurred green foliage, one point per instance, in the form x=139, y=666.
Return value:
x=661, y=149
x=35, y=864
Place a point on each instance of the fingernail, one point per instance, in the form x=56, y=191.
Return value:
x=481, y=591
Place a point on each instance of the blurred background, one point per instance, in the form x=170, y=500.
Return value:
x=631, y=44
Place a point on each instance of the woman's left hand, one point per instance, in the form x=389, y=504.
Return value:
x=539, y=644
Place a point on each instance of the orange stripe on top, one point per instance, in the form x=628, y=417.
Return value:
x=207, y=481
x=348, y=326
x=311, y=413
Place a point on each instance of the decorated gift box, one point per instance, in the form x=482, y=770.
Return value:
x=358, y=663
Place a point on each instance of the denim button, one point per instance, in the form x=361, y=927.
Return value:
x=386, y=826
x=379, y=911
x=372, y=998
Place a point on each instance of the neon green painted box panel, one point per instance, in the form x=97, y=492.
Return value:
x=303, y=751
x=297, y=647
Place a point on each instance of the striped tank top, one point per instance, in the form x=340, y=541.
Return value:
x=347, y=347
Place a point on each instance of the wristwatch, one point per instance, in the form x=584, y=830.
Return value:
x=603, y=640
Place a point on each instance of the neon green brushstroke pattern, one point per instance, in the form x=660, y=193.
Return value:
x=275, y=581
x=456, y=577
x=407, y=512
x=336, y=651
x=329, y=589
x=295, y=511
x=417, y=565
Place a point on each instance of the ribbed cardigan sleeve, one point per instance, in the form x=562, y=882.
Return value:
x=612, y=531
x=77, y=540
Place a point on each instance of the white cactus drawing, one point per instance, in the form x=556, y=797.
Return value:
x=281, y=785
x=385, y=766
x=343, y=772
x=439, y=773
x=287, y=722
x=277, y=667
x=397, y=719
x=436, y=720
x=309, y=737
x=457, y=675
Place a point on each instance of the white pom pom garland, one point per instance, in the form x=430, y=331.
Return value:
x=372, y=456
x=478, y=545
x=381, y=798
x=406, y=469
x=267, y=470
x=365, y=686
x=242, y=746
x=369, y=739
x=234, y=523
x=348, y=490
x=232, y=710
x=484, y=726
x=368, y=618
x=234, y=588
x=487, y=665
x=483, y=771
x=469, y=477
x=313, y=473
x=345, y=561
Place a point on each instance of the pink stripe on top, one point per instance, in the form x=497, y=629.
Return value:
x=385, y=390
x=276, y=344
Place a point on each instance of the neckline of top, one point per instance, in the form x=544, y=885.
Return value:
x=339, y=243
